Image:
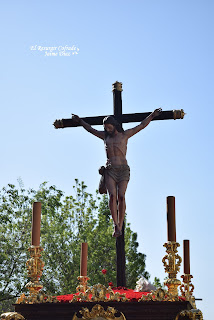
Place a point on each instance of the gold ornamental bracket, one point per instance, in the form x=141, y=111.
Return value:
x=11, y=316
x=99, y=313
x=159, y=295
x=178, y=114
x=117, y=86
x=193, y=314
x=98, y=293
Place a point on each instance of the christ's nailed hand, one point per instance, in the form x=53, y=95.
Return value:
x=157, y=112
x=75, y=118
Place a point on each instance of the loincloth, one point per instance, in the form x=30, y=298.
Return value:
x=118, y=173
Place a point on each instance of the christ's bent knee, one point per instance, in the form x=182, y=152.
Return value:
x=112, y=197
x=121, y=197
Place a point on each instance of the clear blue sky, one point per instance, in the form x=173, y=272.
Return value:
x=162, y=51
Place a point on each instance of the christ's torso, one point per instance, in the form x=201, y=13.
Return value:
x=116, y=148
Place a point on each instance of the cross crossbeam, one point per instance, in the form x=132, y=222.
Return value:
x=123, y=118
x=117, y=109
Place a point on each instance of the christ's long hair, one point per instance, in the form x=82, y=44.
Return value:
x=111, y=120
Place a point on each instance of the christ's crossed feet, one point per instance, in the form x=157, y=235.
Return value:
x=117, y=232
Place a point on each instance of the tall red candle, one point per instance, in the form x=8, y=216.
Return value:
x=36, y=223
x=186, y=257
x=83, y=259
x=171, y=228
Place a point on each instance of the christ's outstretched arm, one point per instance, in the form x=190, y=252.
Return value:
x=130, y=132
x=86, y=126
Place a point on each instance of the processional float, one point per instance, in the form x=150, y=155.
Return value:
x=99, y=302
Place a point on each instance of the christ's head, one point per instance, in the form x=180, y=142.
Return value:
x=111, y=125
x=109, y=129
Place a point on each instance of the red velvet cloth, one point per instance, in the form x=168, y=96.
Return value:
x=130, y=294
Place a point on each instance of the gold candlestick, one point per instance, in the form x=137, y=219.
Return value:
x=82, y=287
x=187, y=287
x=172, y=267
x=34, y=267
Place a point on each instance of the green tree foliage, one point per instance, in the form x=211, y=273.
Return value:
x=157, y=283
x=66, y=222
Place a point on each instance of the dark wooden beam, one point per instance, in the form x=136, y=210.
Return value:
x=117, y=100
x=121, y=259
x=124, y=118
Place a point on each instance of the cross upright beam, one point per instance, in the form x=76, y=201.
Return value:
x=117, y=101
x=120, y=241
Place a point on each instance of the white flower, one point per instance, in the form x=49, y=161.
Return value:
x=144, y=285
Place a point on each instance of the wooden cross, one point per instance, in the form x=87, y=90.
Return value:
x=121, y=118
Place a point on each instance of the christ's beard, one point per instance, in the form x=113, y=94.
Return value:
x=112, y=133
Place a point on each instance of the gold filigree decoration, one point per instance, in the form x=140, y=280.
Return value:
x=83, y=286
x=172, y=267
x=99, y=293
x=159, y=295
x=58, y=124
x=11, y=316
x=99, y=313
x=36, y=298
x=34, y=268
x=178, y=114
x=193, y=314
x=117, y=86
x=187, y=287
x=20, y=299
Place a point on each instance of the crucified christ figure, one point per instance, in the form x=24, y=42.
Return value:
x=117, y=171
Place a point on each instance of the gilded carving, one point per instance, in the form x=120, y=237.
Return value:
x=99, y=313
x=36, y=298
x=83, y=286
x=11, y=316
x=178, y=114
x=187, y=287
x=193, y=314
x=172, y=267
x=117, y=86
x=99, y=293
x=159, y=295
x=34, y=268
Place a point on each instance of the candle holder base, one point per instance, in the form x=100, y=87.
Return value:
x=82, y=287
x=172, y=285
x=34, y=268
x=187, y=287
x=172, y=267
